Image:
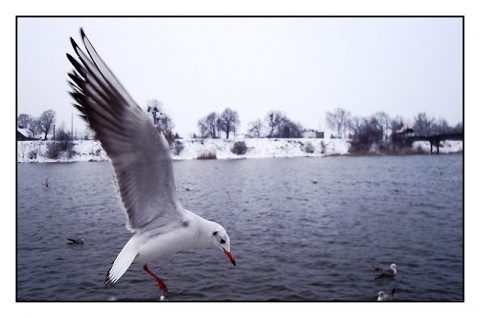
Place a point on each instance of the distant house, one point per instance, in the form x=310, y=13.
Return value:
x=312, y=134
x=404, y=129
x=25, y=134
x=401, y=134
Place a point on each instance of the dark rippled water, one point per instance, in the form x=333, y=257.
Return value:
x=307, y=229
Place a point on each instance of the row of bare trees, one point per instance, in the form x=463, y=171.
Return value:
x=275, y=124
x=341, y=121
x=377, y=128
x=365, y=130
x=41, y=125
x=214, y=123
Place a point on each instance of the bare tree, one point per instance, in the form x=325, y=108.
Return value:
x=338, y=120
x=161, y=119
x=290, y=129
x=228, y=121
x=63, y=143
x=367, y=131
x=208, y=125
x=273, y=120
x=281, y=126
x=383, y=121
x=46, y=121
x=255, y=128
x=25, y=121
x=397, y=123
x=423, y=124
x=154, y=107
x=441, y=127
x=165, y=123
x=355, y=123
x=458, y=128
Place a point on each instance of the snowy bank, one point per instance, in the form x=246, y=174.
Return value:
x=446, y=146
x=91, y=150
x=83, y=150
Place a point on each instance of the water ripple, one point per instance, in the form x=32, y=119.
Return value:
x=301, y=230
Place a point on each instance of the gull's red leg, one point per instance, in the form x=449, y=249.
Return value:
x=160, y=282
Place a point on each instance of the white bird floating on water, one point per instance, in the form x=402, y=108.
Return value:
x=142, y=163
x=386, y=272
x=386, y=296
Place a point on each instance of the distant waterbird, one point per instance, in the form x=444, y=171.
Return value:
x=386, y=272
x=386, y=296
x=45, y=183
x=75, y=240
x=142, y=163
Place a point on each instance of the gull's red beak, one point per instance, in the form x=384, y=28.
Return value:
x=230, y=257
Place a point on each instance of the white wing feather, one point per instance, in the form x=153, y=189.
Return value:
x=139, y=152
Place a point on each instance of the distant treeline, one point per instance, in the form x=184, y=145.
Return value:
x=363, y=131
x=378, y=128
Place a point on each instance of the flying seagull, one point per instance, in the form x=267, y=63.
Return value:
x=386, y=272
x=386, y=296
x=142, y=164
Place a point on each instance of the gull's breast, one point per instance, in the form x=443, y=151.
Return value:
x=154, y=246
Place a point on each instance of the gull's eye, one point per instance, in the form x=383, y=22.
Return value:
x=215, y=233
x=222, y=241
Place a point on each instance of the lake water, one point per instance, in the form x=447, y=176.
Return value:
x=303, y=229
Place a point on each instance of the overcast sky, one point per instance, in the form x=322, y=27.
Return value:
x=303, y=67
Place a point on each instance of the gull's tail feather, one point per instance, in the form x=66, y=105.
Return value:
x=120, y=264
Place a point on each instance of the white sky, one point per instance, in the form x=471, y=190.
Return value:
x=301, y=66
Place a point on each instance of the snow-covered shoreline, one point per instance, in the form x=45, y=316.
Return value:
x=91, y=150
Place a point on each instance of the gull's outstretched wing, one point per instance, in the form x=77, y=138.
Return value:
x=139, y=152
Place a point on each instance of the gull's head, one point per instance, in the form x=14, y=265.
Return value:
x=381, y=294
x=393, y=267
x=219, y=238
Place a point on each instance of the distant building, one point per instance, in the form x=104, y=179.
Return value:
x=25, y=134
x=312, y=134
x=404, y=129
x=401, y=134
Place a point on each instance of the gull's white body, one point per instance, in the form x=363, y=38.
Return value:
x=142, y=164
x=147, y=246
x=391, y=271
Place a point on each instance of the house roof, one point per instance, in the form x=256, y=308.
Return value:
x=25, y=134
x=24, y=131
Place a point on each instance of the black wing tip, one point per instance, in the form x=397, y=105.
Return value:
x=82, y=35
x=74, y=44
x=108, y=281
x=71, y=58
